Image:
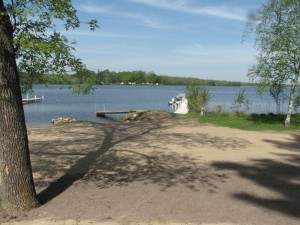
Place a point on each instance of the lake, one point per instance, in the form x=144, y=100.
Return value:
x=60, y=102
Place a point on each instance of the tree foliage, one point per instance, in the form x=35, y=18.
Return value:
x=277, y=38
x=276, y=92
x=40, y=47
x=297, y=102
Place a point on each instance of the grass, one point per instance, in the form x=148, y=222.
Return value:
x=254, y=122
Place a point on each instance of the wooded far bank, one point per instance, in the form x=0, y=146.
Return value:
x=124, y=77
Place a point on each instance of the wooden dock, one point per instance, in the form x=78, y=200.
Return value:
x=31, y=100
x=103, y=113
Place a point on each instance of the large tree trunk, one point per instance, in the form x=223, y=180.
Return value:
x=17, y=187
x=287, y=121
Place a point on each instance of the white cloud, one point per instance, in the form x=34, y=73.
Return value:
x=89, y=8
x=97, y=33
x=214, y=54
x=182, y=6
x=101, y=36
x=146, y=20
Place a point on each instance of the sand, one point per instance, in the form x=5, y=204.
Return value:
x=164, y=170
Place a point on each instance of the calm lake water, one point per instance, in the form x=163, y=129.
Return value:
x=60, y=102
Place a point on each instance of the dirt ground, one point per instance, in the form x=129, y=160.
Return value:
x=164, y=170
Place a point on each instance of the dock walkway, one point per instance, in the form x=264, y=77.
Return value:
x=31, y=100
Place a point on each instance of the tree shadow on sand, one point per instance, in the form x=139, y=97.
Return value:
x=110, y=160
x=79, y=168
x=291, y=144
x=281, y=176
x=121, y=167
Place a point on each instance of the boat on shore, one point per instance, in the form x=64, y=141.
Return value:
x=180, y=104
x=177, y=100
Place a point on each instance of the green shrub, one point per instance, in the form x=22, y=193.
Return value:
x=297, y=103
x=241, y=103
x=198, y=98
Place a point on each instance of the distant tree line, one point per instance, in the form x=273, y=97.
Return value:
x=106, y=77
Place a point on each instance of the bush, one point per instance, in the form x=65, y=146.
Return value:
x=297, y=103
x=198, y=98
x=241, y=103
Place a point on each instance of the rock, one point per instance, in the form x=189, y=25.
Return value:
x=61, y=120
x=130, y=117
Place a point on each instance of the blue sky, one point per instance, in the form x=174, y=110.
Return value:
x=187, y=38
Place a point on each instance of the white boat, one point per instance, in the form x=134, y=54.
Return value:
x=179, y=98
x=183, y=107
x=180, y=104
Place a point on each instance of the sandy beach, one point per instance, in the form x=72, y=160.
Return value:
x=164, y=170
